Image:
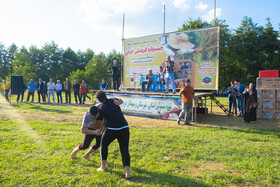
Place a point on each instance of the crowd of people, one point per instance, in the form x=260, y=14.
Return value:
x=243, y=100
x=46, y=91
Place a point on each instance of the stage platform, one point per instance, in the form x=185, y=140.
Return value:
x=156, y=104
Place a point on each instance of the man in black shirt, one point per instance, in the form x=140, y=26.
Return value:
x=116, y=128
x=76, y=88
x=116, y=75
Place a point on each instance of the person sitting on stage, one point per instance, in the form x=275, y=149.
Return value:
x=91, y=127
x=149, y=81
x=103, y=85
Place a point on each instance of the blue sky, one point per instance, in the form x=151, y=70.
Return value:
x=97, y=24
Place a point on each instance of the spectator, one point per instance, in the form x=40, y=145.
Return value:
x=76, y=88
x=116, y=72
x=40, y=90
x=31, y=89
x=6, y=87
x=103, y=85
x=231, y=97
x=187, y=94
x=250, y=103
x=58, y=88
x=51, y=87
x=169, y=74
x=45, y=91
x=83, y=89
x=22, y=90
x=239, y=89
x=149, y=81
x=67, y=89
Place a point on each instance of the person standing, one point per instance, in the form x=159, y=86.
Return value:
x=6, y=87
x=187, y=94
x=239, y=89
x=67, y=89
x=45, y=91
x=161, y=78
x=31, y=89
x=116, y=70
x=76, y=88
x=103, y=85
x=250, y=101
x=83, y=88
x=40, y=90
x=116, y=128
x=91, y=127
x=169, y=74
x=22, y=90
x=51, y=87
x=231, y=97
x=58, y=88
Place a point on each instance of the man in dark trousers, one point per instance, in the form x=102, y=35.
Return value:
x=67, y=89
x=40, y=90
x=116, y=70
x=76, y=88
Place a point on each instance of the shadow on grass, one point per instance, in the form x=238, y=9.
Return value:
x=263, y=127
x=231, y=121
x=44, y=109
x=141, y=176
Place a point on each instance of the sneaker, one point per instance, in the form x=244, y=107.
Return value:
x=187, y=124
x=178, y=121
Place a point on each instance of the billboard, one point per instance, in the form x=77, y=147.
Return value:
x=160, y=107
x=195, y=54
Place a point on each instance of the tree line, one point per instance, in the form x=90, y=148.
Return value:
x=243, y=52
x=51, y=61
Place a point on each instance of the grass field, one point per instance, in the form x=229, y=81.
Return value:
x=36, y=141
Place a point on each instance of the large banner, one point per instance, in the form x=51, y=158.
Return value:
x=160, y=107
x=195, y=53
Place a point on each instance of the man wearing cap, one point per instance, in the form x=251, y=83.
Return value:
x=169, y=74
x=187, y=94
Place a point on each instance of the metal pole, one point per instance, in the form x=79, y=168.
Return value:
x=122, y=50
x=163, y=18
x=214, y=13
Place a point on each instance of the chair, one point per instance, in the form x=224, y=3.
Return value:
x=155, y=84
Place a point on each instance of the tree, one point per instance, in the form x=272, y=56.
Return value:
x=96, y=70
x=23, y=65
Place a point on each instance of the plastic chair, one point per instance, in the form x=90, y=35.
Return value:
x=155, y=84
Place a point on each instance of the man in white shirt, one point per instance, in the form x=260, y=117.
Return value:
x=51, y=87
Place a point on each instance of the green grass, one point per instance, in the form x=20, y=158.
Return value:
x=164, y=156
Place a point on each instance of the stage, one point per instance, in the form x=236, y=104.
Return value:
x=157, y=104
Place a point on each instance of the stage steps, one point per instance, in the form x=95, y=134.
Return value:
x=221, y=105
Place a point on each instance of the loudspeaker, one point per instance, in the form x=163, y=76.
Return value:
x=16, y=84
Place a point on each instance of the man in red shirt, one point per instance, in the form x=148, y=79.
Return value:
x=187, y=94
x=83, y=89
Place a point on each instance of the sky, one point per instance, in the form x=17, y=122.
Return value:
x=97, y=24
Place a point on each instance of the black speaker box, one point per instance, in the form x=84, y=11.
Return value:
x=16, y=84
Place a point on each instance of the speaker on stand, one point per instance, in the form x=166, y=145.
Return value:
x=16, y=84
